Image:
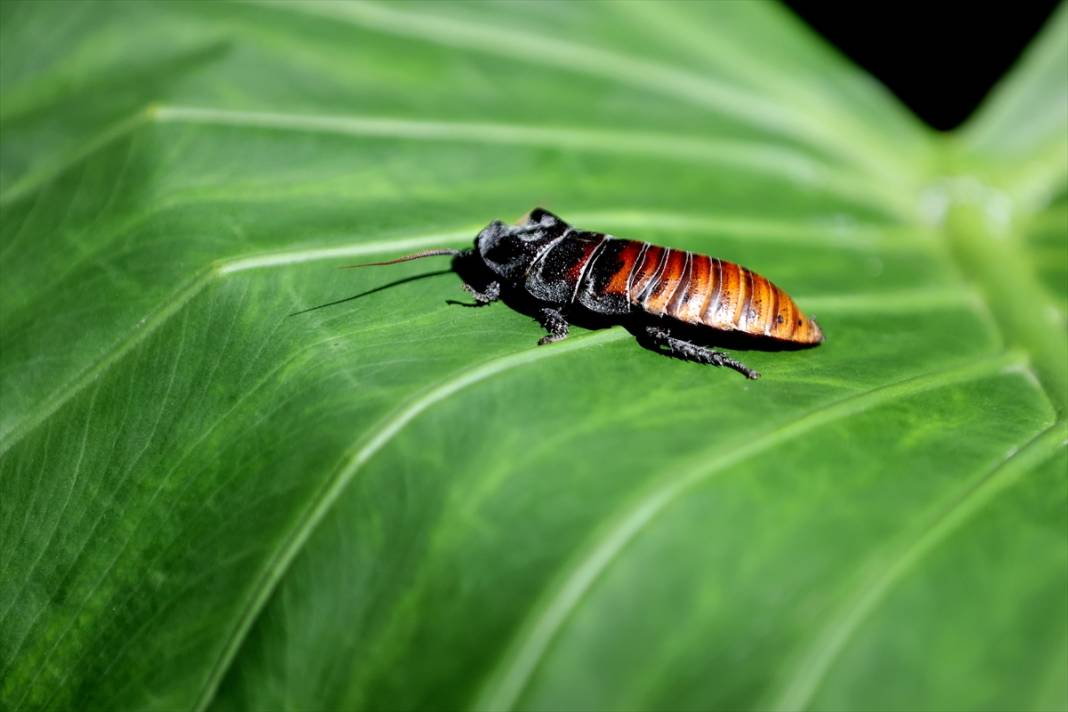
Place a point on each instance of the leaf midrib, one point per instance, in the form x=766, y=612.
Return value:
x=989, y=254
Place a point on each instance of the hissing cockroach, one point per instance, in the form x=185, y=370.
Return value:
x=667, y=293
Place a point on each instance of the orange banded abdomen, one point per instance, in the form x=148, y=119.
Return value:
x=612, y=276
x=702, y=290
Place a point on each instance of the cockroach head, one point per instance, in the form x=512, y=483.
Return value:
x=508, y=250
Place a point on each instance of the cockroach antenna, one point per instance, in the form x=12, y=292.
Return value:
x=408, y=258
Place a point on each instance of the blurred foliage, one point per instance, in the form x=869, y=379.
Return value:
x=394, y=503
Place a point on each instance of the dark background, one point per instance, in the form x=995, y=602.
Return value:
x=940, y=59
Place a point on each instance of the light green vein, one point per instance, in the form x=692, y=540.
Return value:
x=764, y=156
x=332, y=488
x=761, y=156
x=841, y=625
x=293, y=257
x=505, y=685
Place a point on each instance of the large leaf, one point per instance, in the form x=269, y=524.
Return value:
x=396, y=503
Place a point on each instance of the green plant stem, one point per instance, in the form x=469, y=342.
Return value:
x=991, y=257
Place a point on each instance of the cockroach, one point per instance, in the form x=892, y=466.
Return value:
x=564, y=272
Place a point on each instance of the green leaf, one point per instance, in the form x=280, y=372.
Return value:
x=397, y=503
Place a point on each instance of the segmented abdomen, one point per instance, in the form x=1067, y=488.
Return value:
x=612, y=276
x=698, y=289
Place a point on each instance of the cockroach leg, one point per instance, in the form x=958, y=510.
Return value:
x=680, y=348
x=491, y=294
x=555, y=323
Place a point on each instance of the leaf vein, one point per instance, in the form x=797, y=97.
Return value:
x=761, y=156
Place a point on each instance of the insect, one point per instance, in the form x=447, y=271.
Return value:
x=669, y=296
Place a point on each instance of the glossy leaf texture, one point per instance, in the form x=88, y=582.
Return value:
x=399, y=503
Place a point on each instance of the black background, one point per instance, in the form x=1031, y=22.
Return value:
x=939, y=58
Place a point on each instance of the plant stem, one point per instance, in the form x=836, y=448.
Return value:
x=987, y=248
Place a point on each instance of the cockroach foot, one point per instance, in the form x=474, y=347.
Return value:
x=553, y=321
x=491, y=294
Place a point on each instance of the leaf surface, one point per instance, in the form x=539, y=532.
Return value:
x=397, y=503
